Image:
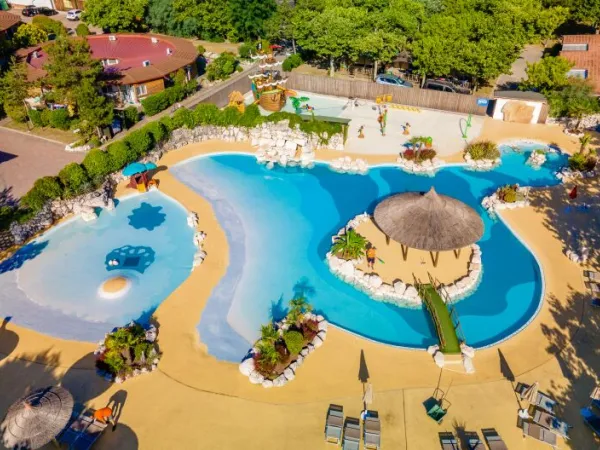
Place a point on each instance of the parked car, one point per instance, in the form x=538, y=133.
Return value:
x=74, y=14
x=47, y=11
x=30, y=11
x=445, y=86
x=392, y=80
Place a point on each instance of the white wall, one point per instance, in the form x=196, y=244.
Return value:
x=47, y=3
x=500, y=102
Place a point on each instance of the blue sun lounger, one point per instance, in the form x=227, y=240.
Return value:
x=82, y=431
x=351, y=439
x=591, y=420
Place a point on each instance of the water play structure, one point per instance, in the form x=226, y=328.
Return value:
x=268, y=86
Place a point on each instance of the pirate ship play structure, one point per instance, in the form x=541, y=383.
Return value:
x=268, y=87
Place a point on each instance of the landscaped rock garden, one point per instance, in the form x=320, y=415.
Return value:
x=483, y=155
x=420, y=158
x=506, y=197
x=537, y=158
x=127, y=352
x=283, y=346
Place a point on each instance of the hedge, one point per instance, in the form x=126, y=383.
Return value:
x=74, y=180
x=59, y=118
x=156, y=103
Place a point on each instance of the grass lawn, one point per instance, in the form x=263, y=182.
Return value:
x=441, y=312
x=66, y=137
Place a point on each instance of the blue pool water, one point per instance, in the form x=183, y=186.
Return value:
x=279, y=225
x=51, y=284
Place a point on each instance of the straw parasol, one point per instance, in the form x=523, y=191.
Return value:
x=37, y=418
x=428, y=221
x=530, y=394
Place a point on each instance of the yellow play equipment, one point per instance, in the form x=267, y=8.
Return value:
x=236, y=99
x=387, y=100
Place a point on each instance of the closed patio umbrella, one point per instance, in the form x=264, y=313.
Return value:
x=368, y=395
x=530, y=394
x=37, y=418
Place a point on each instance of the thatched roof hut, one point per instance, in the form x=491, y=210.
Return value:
x=428, y=221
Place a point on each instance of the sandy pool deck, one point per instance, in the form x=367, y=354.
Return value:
x=196, y=402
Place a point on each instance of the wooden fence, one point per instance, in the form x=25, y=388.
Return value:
x=422, y=98
x=220, y=95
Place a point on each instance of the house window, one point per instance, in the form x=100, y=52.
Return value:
x=141, y=90
x=577, y=73
x=110, y=62
x=575, y=47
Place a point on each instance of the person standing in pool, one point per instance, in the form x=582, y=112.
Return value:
x=371, y=255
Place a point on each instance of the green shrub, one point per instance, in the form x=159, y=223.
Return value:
x=59, y=118
x=247, y=49
x=174, y=94
x=183, y=117
x=509, y=193
x=120, y=154
x=139, y=141
x=206, y=114
x=582, y=163
x=294, y=341
x=157, y=130
x=230, y=116
x=251, y=117
x=167, y=123
x=291, y=62
x=74, y=179
x=46, y=117
x=49, y=25
x=82, y=30
x=15, y=112
x=98, y=164
x=153, y=104
x=131, y=116
x=201, y=49
x=43, y=190
x=222, y=67
x=483, y=150
x=36, y=117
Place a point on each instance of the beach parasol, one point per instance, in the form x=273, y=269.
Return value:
x=36, y=419
x=138, y=167
x=530, y=394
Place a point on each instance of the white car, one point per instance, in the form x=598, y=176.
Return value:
x=74, y=14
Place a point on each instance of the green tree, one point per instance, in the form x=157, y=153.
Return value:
x=268, y=333
x=586, y=11
x=584, y=142
x=297, y=307
x=75, y=179
x=14, y=90
x=116, y=15
x=82, y=30
x=248, y=16
x=382, y=46
x=94, y=109
x=43, y=190
x=50, y=26
x=575, y=101
x=548, y=20
x=206, y=19
x=547, y=74
x=28, y=35
x=222, y=67
x=349, y=245
x=281, y=24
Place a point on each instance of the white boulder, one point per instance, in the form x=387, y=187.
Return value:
x=399, y=288
x=267, y=384
x=256, y=378
x=289, y=374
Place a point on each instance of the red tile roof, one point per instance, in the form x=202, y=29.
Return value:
x=8, y=20
x=586, y=60
x=131, y=50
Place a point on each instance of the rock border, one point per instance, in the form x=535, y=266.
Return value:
x=345, y=164
x=492, y=203
x=247, y=367
x=481, y=164
x=400, y=293
x=199, y=236
x=567, y=175
x=536, y=159
x=428, y=167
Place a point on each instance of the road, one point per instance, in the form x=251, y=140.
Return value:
x=24, y=159
x=61, y=17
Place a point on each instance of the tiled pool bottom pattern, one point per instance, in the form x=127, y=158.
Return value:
x=51, y=285
x=279, y=225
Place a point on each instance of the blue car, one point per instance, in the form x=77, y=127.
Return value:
x=392, y=80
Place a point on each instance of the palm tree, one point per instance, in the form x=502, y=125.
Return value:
x=418, y=142
x=268, y=333
x=268, y=355
x=349, y=245
x=584, y=141
x=297, y=308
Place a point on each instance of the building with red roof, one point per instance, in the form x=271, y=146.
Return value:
x=136, y=65
x=8, y=24
x=583, y=50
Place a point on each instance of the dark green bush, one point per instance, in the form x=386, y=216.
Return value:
x=251, y=117
x=120, y=154
x=82, y=30
x=291, y=62
x=98, y=164
x=201, y=49
x=175, y=94
x=230, y=116
x=294, y=341
x=206, y=114
x=183, y=117
x=157, y=130
x=59, y=118
x=222, y=67
x=75, y=180
x=46, y=117
x=167, y=123
x=247, y=49
x=36, y=117
x=154, y=104
x=131, y=116
x=43, y=190
x=581, y=162
x=49, y=25
x=139, y=141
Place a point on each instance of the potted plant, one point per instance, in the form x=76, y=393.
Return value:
x=428, y=142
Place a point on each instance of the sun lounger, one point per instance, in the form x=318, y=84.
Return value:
x=351, y=434
x=334, y=424
x=596, y=302
x=82, y=431
x=448, y=441
x=594, y=287
x=372, y=431
x=542, y=400
x=591, y=420
x=493, y=439
x=540, y=433
x=551, y=422
x=595, y=276
x=475, y=443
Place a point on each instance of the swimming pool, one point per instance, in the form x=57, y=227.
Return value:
x=51, y=284
x=323, y=105
x=279, y=225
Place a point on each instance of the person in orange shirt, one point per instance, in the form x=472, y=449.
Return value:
x=371, y=255
x=105, y=415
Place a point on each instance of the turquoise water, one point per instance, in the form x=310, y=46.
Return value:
x=279, y=225
x=51, y=284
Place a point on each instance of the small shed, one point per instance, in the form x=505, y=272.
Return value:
x=520, y=107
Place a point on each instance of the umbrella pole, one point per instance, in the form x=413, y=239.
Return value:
x=435, y=258
x=457, y=253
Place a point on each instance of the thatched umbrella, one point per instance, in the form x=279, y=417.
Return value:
x=428, y=221
x=36, y=419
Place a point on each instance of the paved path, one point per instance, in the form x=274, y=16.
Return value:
x=530, y=54
x=24, y=159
